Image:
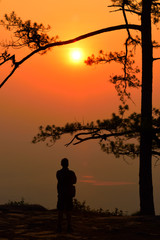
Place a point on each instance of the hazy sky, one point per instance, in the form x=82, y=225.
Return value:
x=53, y=89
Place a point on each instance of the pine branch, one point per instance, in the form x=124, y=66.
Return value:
x=96, y=135
x=61, y=43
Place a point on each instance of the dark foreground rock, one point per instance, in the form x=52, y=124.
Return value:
x=30, y=225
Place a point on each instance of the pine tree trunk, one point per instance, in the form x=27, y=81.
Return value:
x=145, y=171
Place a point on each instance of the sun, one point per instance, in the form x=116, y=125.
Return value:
x=76, y=55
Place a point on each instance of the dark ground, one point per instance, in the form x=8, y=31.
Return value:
x=30, y=224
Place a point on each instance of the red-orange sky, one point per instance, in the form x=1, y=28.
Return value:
x=51, y=89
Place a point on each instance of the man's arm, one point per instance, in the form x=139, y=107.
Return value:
x=57, y=175
x=74, y=178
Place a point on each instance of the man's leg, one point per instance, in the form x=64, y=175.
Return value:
x=60, y=218
x=69, y=215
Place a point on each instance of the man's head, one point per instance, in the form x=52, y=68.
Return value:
x=64, y=162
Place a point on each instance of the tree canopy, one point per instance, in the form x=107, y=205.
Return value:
x=118, y=135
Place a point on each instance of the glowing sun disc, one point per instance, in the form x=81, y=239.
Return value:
x=76, y=55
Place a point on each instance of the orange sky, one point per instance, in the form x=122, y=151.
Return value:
x=51, y=89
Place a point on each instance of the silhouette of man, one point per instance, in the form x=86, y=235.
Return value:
x=66, y=191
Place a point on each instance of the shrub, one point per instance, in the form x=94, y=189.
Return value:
x=83, y=208
x=21, y=205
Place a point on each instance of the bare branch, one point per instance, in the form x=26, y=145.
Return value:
x=127, y=10
x=16, y=65
x=155, y=59
x=157, y=160
x=133, y=8
x=61, y=43
x=12, y=58
x=155, y=153
x=95, y=135
x=125, y=18
x=11, y=73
